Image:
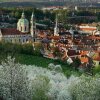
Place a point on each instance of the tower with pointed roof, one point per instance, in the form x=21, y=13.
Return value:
x=33, y=27
x=56, y=29
x=23, y=24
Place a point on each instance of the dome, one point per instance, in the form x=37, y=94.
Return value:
x=23, y=24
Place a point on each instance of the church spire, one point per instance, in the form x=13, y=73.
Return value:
x=56, y=30
x=33, y=26
x=23, y=15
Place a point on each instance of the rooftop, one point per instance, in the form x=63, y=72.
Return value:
x=11, y=31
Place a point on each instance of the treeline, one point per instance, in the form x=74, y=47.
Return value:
x=48, y=17
x=13, y=49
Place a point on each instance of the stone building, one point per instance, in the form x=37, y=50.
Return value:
x=22, y=34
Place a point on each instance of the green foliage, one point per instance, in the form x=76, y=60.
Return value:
x=46, y=17
x=88, y=88
x=16, y=48
x=27, y=49
x=40, y=87
x=96, y=69
x=13, y=81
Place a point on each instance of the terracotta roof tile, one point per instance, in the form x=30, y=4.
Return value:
x=84, y=59
x=11, y=31
x=83, y=53
x=55, y=37
x=94, y=37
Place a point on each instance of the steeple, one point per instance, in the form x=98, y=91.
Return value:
x=23, y=24
x=32, y=19
x=23, y=15
x=33, y=27
x=56, y=30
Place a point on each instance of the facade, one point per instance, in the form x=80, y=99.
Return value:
x=23, y=24
x=20, y=35
x=14, y=36
x=89, y=29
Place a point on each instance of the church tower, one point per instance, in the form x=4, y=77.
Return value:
x=56, y=29
x=23, y=24
x=33, y=27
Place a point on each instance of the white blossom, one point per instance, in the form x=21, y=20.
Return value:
x=30, y=82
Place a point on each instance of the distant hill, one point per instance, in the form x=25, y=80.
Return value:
x=44, y=3
x=49, y=1
x=30, y=4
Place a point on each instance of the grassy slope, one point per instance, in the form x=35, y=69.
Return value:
x=41, y=62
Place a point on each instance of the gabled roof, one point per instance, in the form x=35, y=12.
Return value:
x=94, y=37
x=11, y=31
x=83, y=53
x=84, y=60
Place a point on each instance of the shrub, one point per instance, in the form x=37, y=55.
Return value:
x=40, y=87
x=88, y=88
x=45, y=84
x=13, y=81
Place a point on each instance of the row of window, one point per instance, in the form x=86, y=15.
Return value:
x=16, y=40
x=15, y=36
x=25, y=29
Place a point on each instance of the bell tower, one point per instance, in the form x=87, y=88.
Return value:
x=33, y=27
x=56, y=29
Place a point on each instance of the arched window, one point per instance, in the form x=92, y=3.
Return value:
x=19, y=40
x=23, y=40
x=25, y=28
x=21, y=28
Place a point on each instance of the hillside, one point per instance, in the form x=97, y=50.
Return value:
x=30, y=4
x=49, y=1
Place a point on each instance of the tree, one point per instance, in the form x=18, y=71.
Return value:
x=13, y=81
x=17, y=14
x=87, y=88
x=40, y=87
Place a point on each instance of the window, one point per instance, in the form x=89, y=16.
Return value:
x=19, y=40
x=21, y=28
x=26, y=40
x=25, y=28
x=11, y=40
x=23, y=41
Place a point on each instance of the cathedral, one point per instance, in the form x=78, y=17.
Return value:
x=22, y=34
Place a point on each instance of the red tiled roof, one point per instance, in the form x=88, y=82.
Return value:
x=84, y=59
x=11, y=31
x=94, y=37
x=41, y=35
x=83, y=53
x=88, y=29
x=55, y=37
